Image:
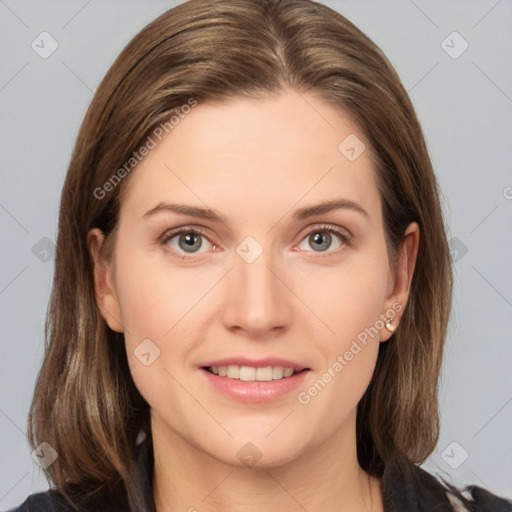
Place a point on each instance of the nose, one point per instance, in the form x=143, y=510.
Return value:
x=257, y=301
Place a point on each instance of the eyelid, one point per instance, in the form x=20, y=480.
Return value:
x=342, y=232
x=171, y=233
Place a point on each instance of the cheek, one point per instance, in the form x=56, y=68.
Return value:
x=153, y=297
x=350, y=298
x=349, y=301
x=159, y=304
x=153, y=306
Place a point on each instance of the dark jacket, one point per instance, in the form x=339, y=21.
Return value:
x=406, y=488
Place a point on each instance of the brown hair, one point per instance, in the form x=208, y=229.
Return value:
x=85, y=404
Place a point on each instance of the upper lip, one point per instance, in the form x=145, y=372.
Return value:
x=256, y=363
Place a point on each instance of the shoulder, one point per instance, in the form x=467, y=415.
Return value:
x=478, y=500
x=54, y=501
x=51, y=501
x=410, y=488
x=106, y=497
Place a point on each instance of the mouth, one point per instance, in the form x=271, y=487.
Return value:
x=254, y=381
x=253, y=374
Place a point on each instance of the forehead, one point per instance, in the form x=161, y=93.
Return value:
x=248, y=157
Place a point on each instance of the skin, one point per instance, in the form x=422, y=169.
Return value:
x=254, y=162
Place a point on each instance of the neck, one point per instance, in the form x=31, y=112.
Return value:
x=327, y=477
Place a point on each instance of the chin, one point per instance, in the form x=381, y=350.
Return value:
x=258, y=451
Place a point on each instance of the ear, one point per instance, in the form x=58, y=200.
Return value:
x=400, y=284
x=105, y=292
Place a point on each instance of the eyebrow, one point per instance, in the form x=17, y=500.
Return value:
x=301, y=214
x=192, y=211
x=328, y=206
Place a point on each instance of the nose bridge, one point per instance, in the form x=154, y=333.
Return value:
x=257, y=299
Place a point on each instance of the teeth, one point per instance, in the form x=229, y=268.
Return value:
x=264, y=374
x=233, y=372
x=249, y=373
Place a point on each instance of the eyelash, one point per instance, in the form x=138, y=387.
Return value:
x=323, y=228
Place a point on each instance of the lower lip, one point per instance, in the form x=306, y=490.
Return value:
x=255, y=391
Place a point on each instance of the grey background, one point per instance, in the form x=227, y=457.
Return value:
x=465, y=107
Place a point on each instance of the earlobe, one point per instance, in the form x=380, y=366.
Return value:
x=105, y=293
x=397, y=299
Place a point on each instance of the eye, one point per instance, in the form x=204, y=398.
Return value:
x=322, y=238
x=186, y=240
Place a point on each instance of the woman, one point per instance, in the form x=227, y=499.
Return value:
x=252, y=280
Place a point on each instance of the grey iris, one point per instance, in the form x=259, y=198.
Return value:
x=322, y=238
x=190, y=242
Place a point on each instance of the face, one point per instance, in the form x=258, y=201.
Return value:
x=228, y=270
